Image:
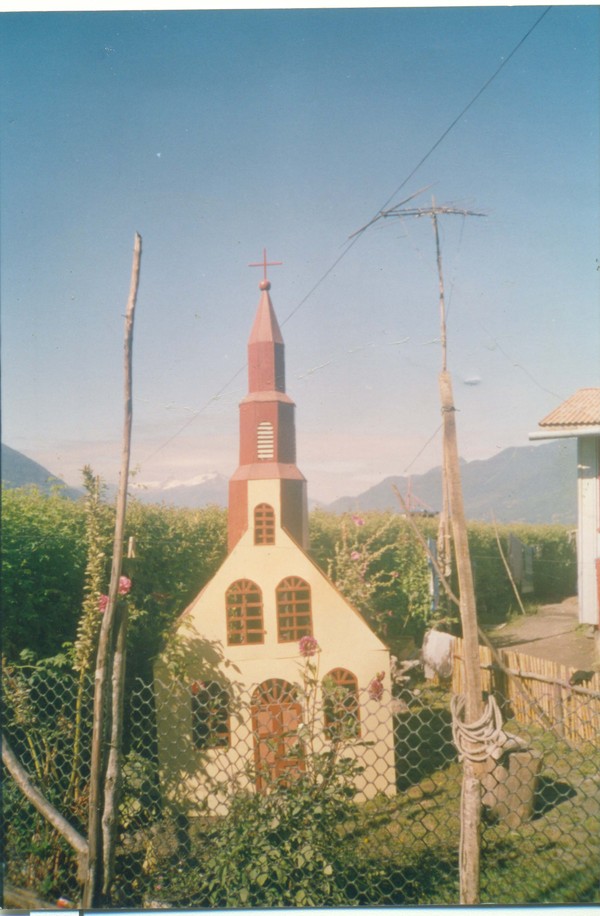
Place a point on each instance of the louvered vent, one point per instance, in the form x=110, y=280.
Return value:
x=265, y=441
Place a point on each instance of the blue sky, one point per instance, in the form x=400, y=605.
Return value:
x=215, y=134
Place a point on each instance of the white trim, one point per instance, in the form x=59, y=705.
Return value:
x=573, y=432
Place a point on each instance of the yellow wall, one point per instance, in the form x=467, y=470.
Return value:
x=344, y=639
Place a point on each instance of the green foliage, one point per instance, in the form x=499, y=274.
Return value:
x=43, y=559
x=281, y=848
x=98, y=532
x=38, y=703
x=555, y=563
x=54, y=563
x=376, y=561
x=177, y=553
x=378, y=564
x=554, y=566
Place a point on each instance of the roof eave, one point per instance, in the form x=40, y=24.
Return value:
x=566, y=432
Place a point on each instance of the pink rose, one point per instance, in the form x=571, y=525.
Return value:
x=102, y=603
x=124, y=585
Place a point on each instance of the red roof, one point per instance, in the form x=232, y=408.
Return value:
x=581, y=409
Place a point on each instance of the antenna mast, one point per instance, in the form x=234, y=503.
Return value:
x=454, y=509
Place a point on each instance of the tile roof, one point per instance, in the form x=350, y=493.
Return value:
x=581, y=409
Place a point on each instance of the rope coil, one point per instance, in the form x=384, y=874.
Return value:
x=485, y=738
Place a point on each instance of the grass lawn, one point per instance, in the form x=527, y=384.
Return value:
x=552, y=858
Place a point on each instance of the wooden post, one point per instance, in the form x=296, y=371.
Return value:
x=506, y=566
x=112, y=785
x=471, y=793
x=471, y=788
x=107, y=722
x=444, y=537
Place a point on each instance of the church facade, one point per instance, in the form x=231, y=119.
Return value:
x=230, y=703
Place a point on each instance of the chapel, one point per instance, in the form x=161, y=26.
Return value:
x=227, y=689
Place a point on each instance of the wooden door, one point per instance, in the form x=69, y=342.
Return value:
x=276, y=718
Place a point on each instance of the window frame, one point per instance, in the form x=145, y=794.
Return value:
x=341, y=705
x=211, y=726
x=294, y=613
x=264, y=525
x=245, y=588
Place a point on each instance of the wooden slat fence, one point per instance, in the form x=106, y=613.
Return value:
x=538, y=692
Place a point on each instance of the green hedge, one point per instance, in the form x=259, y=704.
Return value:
x=374, y=559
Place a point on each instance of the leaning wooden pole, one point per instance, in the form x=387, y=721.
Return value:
x=469, y=855
x=41, y=804
x=473, y=705
x=112, y=785
x=104, y=774
x=471, y=789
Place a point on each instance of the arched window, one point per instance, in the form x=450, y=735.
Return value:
x=210, y=715
x=265, y=441
x=340, y=704
x=244, y=607
x=264, y=524
x=294, y=617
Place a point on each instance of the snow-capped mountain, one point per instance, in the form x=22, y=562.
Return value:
x=193, y=493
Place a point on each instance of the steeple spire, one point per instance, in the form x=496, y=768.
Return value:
x=266, y=361
x=267, y=473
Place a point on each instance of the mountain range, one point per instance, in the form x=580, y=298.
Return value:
x=536, y=484
x=203, y=490
x=20, y=471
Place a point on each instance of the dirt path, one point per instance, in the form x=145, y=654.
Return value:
x=553, y=633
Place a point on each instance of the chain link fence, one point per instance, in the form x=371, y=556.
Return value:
x=283, y=796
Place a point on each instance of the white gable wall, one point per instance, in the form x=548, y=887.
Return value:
x=344, y=638
x=588, y=534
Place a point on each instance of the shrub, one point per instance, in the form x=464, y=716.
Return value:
x=43, y=560
x=281, y=846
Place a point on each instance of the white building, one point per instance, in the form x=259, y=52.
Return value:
x=579, y=417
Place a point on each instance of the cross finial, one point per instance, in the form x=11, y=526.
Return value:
x=265, y=284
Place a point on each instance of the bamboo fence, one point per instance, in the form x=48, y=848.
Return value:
x=537, y=691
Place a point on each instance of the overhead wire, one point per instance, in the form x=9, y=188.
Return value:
x=350, y=242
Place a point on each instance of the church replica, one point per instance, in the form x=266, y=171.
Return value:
x=229, y=705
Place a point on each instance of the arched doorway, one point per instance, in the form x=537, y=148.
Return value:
x=276, y=718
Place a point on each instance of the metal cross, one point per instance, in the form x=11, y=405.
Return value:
x=264, y=263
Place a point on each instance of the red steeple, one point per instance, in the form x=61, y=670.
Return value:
x=266, y=361
x=267, y=434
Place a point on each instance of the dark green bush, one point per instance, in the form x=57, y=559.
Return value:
x=375, y=560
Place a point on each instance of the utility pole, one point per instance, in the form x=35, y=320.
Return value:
x=454, y=506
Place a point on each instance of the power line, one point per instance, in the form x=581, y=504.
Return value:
x=349, y=244
x=468, y=106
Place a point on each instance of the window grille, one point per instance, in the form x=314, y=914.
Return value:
x=294, y=617
x=340, y=704
x=210, y=715
x=265, y=444
x=264, y=524
x=244, y=606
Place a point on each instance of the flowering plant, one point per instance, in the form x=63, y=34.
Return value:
x=102, y=603
x=124, y=585
x=375, y=688
x=308, y=646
